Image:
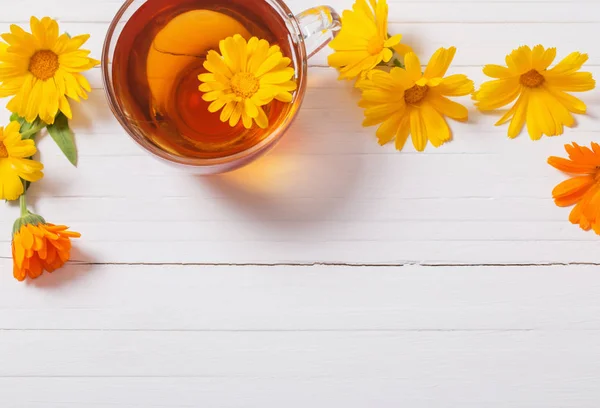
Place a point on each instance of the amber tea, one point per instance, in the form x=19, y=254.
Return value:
x=157, y=60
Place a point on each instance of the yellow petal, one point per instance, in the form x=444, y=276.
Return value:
x=496, y=71
x=495, y=94
x=246, y=120
x=250, y=109
x=261, y=120
x=284, y=97
x=402, y=49
x=277, y=77
x=212, y=96
x=11, y=186
x=35, y=104
x=403, y=132
x=436, y=128
x=456, y=85
x=519, y=61
x=440, y=62
x=570, y=102
x=574, y=82
x=571, y=63
x=535, y=117
x=236, y=115
x=413, y=66
x=418, y=130
x=227, y=111
x=388, y=129
x=269, y=64
x=217, y=105
x=541, y=58
x=22, y=149
x=215, y=64
x=520, y=115
x=50, y=94
x=393, y=41
x=449, y=108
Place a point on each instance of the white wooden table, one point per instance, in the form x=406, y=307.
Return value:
x=331, y=273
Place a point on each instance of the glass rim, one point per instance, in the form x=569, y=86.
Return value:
x=283, y=10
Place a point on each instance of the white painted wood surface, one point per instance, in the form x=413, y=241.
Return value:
x=331, y=273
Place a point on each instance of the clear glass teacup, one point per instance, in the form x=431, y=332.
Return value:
x=154, y=51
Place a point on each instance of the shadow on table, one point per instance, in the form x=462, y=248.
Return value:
x=69, y=274
x=294, y=182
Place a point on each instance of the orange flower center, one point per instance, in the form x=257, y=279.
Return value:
x=375, y=45
x=245, y=85
x=3, y=151
x=532, y=79
x=44, y=64
x=415, y=94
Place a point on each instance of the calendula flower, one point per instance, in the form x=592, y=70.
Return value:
x=40, y=69
x=245, y=77
x=14, y=162
x=364, y=42
x=541, y=93
x=38, y=246
x=583, y=189
x=408, y=101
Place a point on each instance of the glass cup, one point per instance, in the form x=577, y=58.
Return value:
x=311, y=31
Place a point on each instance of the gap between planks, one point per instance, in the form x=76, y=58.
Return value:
x=336, y=264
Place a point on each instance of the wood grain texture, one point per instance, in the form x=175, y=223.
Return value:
x=333, y=272
x=179, y=336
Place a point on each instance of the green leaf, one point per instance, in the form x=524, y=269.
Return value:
x=64, y=138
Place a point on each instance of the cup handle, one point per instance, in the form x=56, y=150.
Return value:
x=318, y=25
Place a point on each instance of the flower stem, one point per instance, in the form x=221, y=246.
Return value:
x=398, y=64
x=23, y=203
x=31, y=132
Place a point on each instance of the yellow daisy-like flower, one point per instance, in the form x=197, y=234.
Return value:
x=40, y=69
x=246, y=76
x=408, y=101
x=363, y=42
x=541, y=93
x=14, y=164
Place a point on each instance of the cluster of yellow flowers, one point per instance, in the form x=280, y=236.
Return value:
x=40, y=71
x=404, y=101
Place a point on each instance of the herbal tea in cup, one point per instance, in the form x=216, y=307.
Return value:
x=208, y=83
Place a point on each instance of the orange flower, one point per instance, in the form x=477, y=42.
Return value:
x=39, y=246
x=584, y=188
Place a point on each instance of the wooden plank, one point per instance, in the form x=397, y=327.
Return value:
x=543, y=357
x=254, y=299
x=400, y=11
x=478, y=43
x=508, y=389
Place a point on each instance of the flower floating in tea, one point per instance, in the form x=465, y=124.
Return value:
x=364, y=42
x=41, y=69
x=406, y=101
x=245, y=77
x=583, y=189
x=15, y=163
x=541, y=93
